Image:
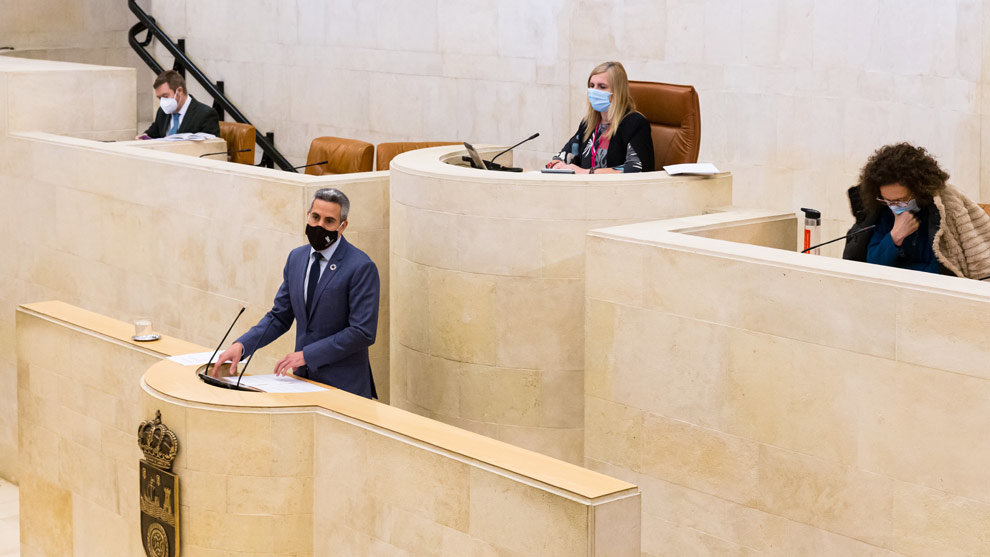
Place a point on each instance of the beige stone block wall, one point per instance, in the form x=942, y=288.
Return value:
x=794, y=95
x=132, y=232
x=386, y=495
x=78, y=407
x=85, y=101
x=772, y=402
x=488, y=289
x=283, y=480
x=91, y=32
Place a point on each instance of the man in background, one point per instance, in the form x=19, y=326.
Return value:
x=178, y=112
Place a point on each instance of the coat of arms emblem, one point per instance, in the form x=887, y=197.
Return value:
x=159, y=489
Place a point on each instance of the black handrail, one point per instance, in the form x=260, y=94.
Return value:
x=146, y=22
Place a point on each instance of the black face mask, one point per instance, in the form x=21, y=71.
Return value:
x=320, y=238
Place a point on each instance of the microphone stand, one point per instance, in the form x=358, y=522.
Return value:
x=223, y=153
x=871, y=227
x=308, y=165
x=534, y=136
x=492, y=165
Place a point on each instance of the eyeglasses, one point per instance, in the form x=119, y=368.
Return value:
x=897, y=204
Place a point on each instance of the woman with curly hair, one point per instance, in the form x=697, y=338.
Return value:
x=922, y=223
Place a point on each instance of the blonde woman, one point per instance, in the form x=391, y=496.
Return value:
x=612, y=137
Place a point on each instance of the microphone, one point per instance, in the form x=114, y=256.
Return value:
x=231, y=328
x=871, y=227
x=534, y=136
x=305, y=165
x=237, y=386
x=203, y=375
x=223, y=153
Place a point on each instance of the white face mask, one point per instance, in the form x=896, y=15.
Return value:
x=168, y=105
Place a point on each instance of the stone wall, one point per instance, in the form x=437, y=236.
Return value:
x=794, y=94
x=488, y=278
x=135, y=232
x=771, y=402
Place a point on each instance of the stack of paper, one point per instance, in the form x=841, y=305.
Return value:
x=699, y=168
x=276, y=383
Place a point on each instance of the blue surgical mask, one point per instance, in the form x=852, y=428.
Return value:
x=599, y=99
x=909, y=206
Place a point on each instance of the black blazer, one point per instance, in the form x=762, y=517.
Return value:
x=631, y=148
x=199, y=118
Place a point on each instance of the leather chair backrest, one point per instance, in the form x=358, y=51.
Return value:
x=343, y=156
x=675, y=120
x=388, y=151
x=238, y=136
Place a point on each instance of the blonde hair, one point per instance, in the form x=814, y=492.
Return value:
x=621, y=102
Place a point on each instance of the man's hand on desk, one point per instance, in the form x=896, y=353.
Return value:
x=291, y=362
x=232, y=355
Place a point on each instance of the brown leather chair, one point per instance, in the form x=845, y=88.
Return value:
x=388, y=151
x=238, y=136
x=343, y=156
x=675, y=120
x=985, y=207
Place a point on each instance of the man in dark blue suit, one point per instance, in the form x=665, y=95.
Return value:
x=331, y=289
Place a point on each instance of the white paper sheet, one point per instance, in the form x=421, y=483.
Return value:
x=272, y=383
x=189, y=136
x=701, y=168
x=194, y=359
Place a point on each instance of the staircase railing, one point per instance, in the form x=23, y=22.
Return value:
x=182, y=64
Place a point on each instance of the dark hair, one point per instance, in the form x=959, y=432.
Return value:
x=904, y=164
x=173, y=78
x=333, y=195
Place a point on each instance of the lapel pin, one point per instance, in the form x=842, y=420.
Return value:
x=333, y=266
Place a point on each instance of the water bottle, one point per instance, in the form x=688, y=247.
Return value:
x=812, y=230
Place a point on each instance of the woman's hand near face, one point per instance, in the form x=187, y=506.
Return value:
x=904, y=225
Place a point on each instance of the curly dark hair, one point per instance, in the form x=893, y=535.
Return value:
x=905, y=164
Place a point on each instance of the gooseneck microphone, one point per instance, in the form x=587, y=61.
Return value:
x=871, y=227
x=253, y=352
x=307, y=165
x=222, y=153
x=534, y=136
x=227, y=334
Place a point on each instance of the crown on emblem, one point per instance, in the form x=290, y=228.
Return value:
x=157, y=442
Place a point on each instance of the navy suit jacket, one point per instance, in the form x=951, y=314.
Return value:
x=199, y=118
x=334, y=337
